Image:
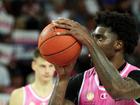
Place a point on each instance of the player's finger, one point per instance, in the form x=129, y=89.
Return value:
x=43, y=33
x=64, y=21
x=64, y=33
x=61, y=19
x=65, y=26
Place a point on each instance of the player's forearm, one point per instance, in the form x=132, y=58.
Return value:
x=108, y=75
x=116, y=86
x=58, y=96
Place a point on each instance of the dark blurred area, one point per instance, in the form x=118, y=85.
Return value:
x=22, y=20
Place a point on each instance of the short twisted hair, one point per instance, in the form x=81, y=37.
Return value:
x=121, y=24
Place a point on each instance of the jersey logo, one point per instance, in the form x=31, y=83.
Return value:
x=90, y=96
x=103, y=96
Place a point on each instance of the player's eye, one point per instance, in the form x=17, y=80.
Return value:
x=50, y=65
x=98, y=37
x=42, y=66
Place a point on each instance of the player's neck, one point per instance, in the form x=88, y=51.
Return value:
x=41, y=89
x=118, y=62
x=43, y=85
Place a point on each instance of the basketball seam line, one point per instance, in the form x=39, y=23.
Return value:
x=46, y=39
x=61, y=50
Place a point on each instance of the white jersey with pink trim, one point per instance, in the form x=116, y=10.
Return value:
x=31, y=98
x=91, y=93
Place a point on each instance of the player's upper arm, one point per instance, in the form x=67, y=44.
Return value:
x=129, y=89
x=16, y=97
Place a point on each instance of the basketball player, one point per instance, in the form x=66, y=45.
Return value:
x=39, y=92
x=112, y=80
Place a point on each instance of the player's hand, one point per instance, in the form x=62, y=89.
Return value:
x=65, y=71
x=74, y=28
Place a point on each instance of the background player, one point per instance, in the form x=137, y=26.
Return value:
x=39, y=92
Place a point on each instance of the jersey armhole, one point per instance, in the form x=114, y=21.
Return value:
x=136, y=101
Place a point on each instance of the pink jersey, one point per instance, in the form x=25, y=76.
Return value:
x=91, y=93
x=31, y=98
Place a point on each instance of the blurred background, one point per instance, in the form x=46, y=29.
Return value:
x=21, y=21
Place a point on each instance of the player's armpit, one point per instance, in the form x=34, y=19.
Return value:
x=68, y=102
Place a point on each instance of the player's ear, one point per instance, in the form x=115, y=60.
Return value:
x=118, y=44
x=33, y=65
x=55, y=74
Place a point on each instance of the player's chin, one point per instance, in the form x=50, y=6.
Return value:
x=46, y=78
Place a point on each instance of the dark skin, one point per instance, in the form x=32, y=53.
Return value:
x=107, y=53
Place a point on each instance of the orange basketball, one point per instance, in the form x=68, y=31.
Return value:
x=58, y=49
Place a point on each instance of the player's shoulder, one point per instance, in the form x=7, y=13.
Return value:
x=80, y=76
x=77, y=77
x=18, y=91
x=16, y=97
x=135, y=74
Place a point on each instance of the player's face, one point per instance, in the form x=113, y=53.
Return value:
x=44, y=71
x=106, y=40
